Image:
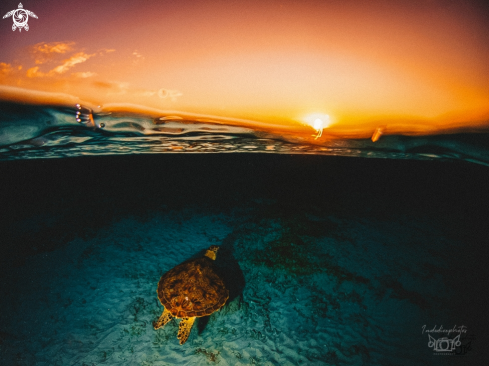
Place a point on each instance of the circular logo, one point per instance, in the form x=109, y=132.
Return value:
x=20, y=17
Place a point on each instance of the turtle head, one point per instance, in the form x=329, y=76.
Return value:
x=211, y=252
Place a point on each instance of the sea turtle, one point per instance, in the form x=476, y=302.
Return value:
x=190, y=290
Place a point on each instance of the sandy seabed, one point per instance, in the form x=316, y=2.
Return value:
x=305, y=289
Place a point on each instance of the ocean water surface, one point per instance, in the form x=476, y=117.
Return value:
x=35, y=131
x=332, y=256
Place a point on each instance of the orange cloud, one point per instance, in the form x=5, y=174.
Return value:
x=170, y=94
x=44, y=52
x=113, y=88
x=105, y=51
x=80, y=57
x=103, y=85
x=120, y=88
x=9, y=73
x=70, y=62
x=53, y=47
x=138, y=56
x=34, y=72
x=84, y=75
x=67, y=64
x=161, y=93
x=5, y=69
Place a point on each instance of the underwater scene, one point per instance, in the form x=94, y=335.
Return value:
x=245, y=182
x=325, y=260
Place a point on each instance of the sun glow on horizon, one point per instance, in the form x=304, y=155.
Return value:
x=413, y=68
x=318, y=121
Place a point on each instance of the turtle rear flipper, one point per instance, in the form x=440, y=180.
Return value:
x=26, y=27
x=164, y=318
x=185, y=328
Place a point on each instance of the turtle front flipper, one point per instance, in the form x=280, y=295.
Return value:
x=164, y=318
x=185, y=328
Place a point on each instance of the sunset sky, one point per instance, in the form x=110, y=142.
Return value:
x=405, y=65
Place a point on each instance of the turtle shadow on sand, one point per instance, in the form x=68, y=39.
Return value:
x=227, y=267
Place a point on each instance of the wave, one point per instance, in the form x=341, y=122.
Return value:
x=29, y=131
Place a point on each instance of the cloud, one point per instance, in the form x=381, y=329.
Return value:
x=44, y=52
x=161, y=93
x=9, y=72
x=103, y=85
x=121, y=87
x=113, y=88
x=138, y=57
x=58, y=66
x=53, y=47
x=5, y=69
x=50, y=52
x=34, y=72
x=171, y=94
x=84, y=75
x=67, y=64
x=70, y=62
x=105, y=51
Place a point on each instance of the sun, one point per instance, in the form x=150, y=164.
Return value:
x=318, y=121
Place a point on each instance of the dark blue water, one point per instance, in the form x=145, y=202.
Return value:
x=329, y=260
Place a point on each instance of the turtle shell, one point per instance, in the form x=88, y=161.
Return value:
x=192, y=289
